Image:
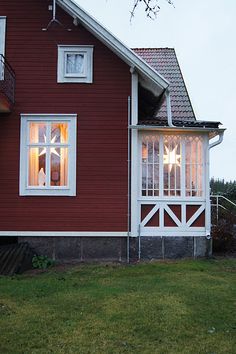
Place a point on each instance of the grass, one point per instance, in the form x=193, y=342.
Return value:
x=172, y=307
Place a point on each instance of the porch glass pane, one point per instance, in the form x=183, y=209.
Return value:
x=172, y=165
x=194, y=166
x=150, y=165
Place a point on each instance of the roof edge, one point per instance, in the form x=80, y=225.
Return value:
x=112, y=42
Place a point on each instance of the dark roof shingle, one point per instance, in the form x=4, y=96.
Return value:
x=164, y=61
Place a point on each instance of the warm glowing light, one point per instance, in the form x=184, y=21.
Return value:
x=41, y=177
x=144, y=152
x=53, y=150
x=171, y=158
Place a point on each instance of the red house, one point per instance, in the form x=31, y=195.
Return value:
x=101, y=154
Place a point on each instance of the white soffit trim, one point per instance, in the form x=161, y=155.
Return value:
x=212, y=132
x=149, y=76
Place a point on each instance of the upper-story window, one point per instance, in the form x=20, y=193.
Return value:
x=172, y=165
x=48, y=149
x=75, y=64
x=2, y=44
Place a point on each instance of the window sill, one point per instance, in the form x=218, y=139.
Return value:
x=48, y=192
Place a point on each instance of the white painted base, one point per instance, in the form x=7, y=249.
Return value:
x=62, y=234
x=148, y=233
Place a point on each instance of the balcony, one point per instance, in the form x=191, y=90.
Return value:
x=7, y=86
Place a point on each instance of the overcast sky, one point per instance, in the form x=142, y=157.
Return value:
x=203, y=33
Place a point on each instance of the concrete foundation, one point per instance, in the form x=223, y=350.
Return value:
x=87, y=249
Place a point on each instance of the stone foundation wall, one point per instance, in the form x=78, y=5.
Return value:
x=86, y=249
x=170, y=247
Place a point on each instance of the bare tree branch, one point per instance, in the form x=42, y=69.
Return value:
x=152, y=7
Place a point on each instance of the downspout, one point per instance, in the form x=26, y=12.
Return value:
x=129, y=167
x=217, y=142
x=210, y=146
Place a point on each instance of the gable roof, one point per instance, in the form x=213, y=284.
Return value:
x=149, y=77
x=164, y=61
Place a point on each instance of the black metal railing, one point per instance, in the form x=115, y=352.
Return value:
x=7, y=79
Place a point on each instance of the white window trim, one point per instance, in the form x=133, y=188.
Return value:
x=50, y=191
x=182, y=197
x=87, y=76
x=3, y=34
x=3, y=20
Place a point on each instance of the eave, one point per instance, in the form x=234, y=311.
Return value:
x=148, y=77
x=212, y=132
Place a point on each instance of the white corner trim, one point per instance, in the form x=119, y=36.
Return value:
x=62, y=234
x=119, y=48
x=207, y=186
x=134, y=156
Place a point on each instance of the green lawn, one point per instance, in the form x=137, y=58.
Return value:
x=172, y=307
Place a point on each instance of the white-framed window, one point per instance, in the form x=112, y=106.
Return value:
x=172, y=165
x=2, y=44
x=75, y=64
x=48, y=154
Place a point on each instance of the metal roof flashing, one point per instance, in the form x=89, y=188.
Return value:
x=149, y=77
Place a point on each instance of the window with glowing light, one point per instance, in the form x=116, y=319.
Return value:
x=172, y=165
x=48, y=155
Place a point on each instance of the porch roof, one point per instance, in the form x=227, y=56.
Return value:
x=185, y=123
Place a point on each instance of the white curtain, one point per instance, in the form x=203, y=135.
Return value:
x=64, y=155
x=75, y=64
x=33, y=156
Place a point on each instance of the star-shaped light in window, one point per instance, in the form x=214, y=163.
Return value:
x=171, y=158
x=53, y=150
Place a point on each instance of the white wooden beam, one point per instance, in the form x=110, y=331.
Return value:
x=134, y=155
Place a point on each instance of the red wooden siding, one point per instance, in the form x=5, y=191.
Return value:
x=145, y=210
x=168, y=221
x=200, y=221
x=101, y=201
x=190, y=211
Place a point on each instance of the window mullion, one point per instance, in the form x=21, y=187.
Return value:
x=147, y=170
x=48, y=157
x=153, y=167
x=161, y=165
x=205, y=164
x=191, y=169
x=183, y=167
x=197, y=168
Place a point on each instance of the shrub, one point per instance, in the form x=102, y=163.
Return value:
x=42, y=262
x=223, y=232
